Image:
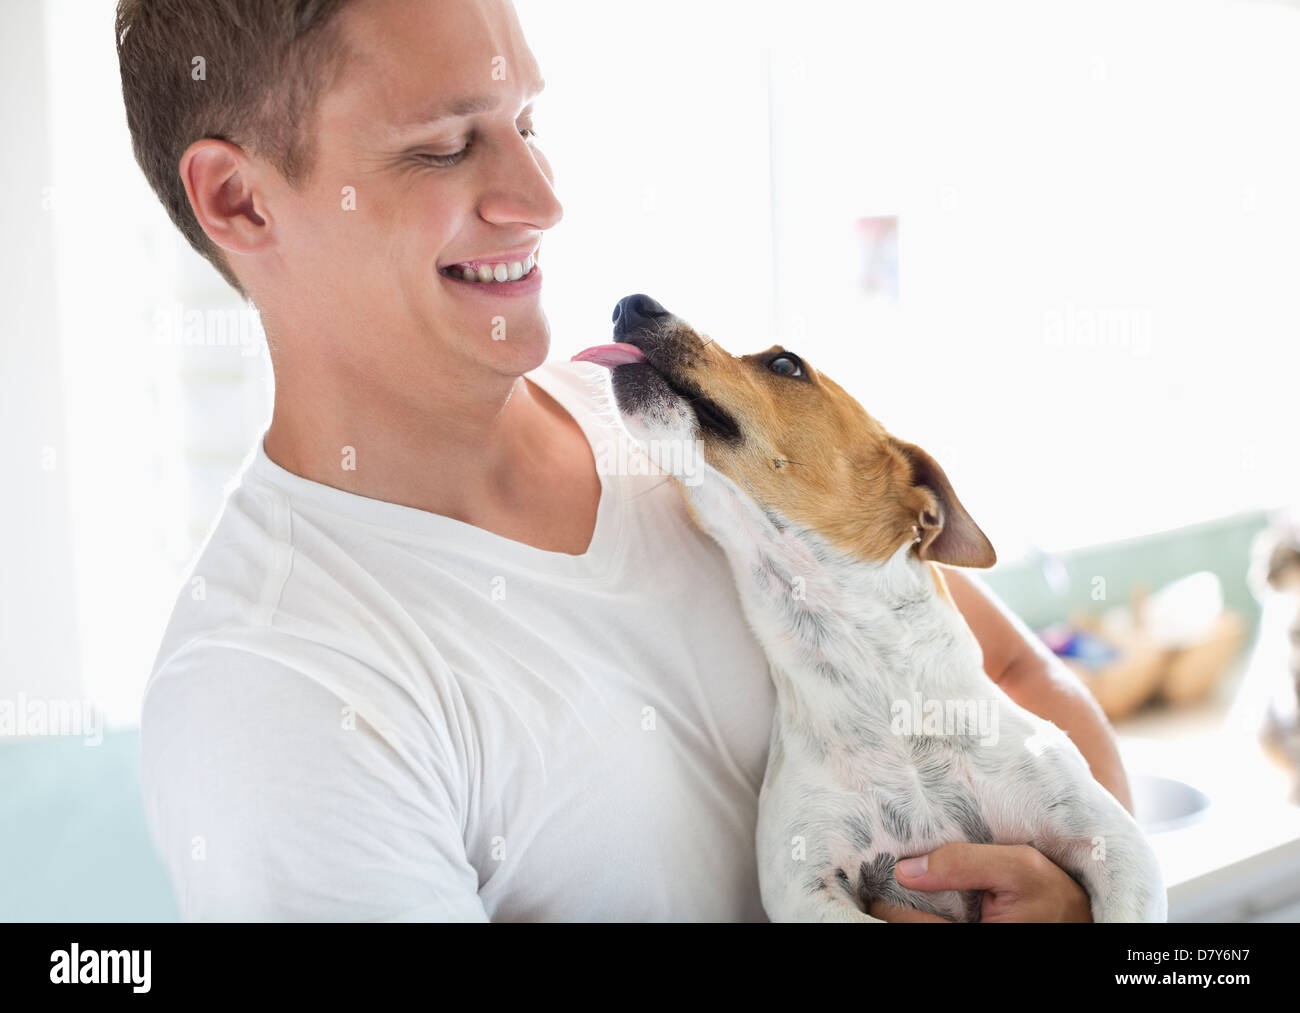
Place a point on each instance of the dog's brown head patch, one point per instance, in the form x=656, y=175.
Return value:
x=798, y=444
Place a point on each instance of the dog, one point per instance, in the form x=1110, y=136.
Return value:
x=833, y=528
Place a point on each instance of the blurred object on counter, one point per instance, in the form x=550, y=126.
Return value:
x=1187, y=618
x=1175, y=645
x=1122, y=669
x=1197, y=668
x=1274, y=676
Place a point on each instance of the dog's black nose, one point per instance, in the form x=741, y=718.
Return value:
x=635, y=313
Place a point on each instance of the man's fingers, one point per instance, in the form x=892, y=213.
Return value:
x=974, y=867
x=886, y=911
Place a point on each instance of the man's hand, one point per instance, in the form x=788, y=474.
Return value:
x=1020, y=884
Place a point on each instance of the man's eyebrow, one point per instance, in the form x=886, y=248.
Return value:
x=465, y=105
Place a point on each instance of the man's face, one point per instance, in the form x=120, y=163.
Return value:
x=435, y=186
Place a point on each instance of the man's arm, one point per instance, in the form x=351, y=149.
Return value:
x=273, y=798
x=1027, y=671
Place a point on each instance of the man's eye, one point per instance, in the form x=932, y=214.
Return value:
x=431, y=158
x=434, y=159
x=786, y=365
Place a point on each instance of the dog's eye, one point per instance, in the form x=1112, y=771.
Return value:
x=786, y=365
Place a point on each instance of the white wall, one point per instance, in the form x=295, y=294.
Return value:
x=38, y=604
x=1099, y=334
x=156, y=427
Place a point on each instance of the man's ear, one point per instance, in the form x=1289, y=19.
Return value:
x=947, y=533
x=228, y=206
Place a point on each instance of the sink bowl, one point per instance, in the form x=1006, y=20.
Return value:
x=1163, y=803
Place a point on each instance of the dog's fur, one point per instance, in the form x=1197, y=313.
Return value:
x=832, y=528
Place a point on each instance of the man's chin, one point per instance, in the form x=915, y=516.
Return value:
x=504, y=340
x=521, y=348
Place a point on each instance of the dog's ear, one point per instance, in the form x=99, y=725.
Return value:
x=946, y=532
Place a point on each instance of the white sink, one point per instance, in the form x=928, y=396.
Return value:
x=1163, y=803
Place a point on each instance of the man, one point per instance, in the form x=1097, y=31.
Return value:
x=442, y=668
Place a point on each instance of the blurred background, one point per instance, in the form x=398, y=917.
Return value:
x=1056, y=244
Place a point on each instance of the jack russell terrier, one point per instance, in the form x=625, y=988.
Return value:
x=889, y=739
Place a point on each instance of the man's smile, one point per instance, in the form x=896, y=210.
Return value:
x=494, y=269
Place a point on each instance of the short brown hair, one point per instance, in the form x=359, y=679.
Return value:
x=265, y=63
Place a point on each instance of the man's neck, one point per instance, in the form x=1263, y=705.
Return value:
x=503, y=455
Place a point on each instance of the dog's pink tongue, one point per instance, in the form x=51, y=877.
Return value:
x=618, y=354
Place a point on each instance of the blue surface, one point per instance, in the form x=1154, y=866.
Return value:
x=74, y=845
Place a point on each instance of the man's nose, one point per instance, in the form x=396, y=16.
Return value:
x=636, y=313
x=521, y=189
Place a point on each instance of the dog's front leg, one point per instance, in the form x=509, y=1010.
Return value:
x=1084, y=829
x=796, y=858
x=1120, y=871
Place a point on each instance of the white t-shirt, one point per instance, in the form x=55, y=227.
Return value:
x=365, y=711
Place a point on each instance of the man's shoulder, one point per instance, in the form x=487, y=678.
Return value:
x=232, y=581
x=284, y=592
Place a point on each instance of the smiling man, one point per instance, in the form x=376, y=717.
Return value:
x=441, y=668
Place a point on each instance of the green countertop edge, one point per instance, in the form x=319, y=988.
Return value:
x=1221, y=546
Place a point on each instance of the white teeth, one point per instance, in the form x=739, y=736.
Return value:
x=512, y=271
